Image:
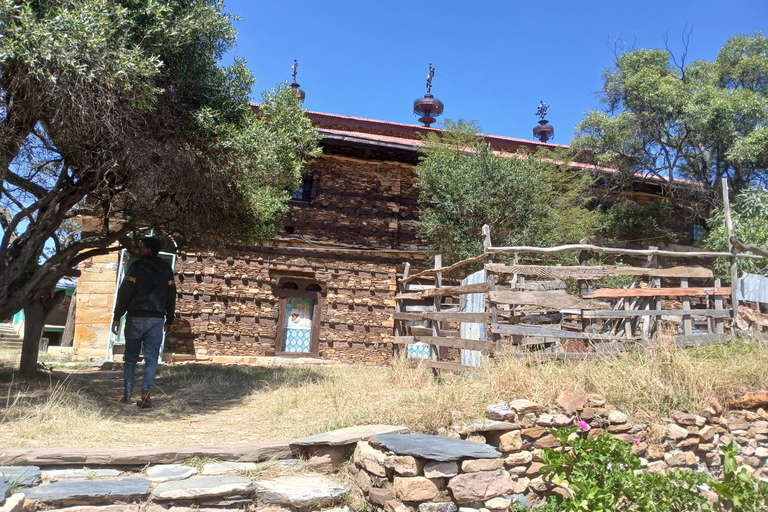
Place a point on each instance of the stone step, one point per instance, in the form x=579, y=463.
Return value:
x=296, y=492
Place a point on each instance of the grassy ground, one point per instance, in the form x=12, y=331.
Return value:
x=218, y=404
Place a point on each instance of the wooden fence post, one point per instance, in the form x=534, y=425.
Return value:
x=732, y=250
x=434, y=350
x=492, y=287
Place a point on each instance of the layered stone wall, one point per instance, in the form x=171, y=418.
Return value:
x=398, y=476
x=229, y=307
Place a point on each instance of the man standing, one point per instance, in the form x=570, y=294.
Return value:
x=148, y=295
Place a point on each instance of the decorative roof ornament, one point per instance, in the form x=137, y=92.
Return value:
x=544, y=131
x=294, y=85
x=428, y=107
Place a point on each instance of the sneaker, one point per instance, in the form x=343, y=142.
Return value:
x=125, y=399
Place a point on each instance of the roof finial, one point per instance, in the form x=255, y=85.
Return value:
x=428, y=107
x=294, y=85
x=544, y=131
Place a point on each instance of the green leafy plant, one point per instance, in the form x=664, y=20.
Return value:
x=738, y=491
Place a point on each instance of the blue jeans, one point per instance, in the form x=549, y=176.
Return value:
x=140, y=331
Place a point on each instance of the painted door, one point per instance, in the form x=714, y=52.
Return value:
x=297, y=324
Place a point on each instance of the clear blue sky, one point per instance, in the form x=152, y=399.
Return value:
x=494, y=60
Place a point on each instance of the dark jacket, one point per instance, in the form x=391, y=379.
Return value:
x=148, y=290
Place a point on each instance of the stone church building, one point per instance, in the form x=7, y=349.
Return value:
x=324, y=286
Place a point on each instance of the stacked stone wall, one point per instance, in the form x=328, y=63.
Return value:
x=395, y=481
x=227, y=306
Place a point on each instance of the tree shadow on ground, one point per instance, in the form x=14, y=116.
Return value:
x=178, y=391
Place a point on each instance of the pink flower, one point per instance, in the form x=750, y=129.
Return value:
x=583, y=425
x=637, y=441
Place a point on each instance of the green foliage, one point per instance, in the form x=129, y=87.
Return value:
x=601, y=475
x=525, y=199
x=627, y=221
x=749, y=211
x=123, y=102
x=738, y=491
x=701, y=121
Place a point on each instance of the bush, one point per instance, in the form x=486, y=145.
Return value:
x=601, y=475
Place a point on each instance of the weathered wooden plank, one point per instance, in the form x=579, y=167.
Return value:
x=674, y=272
x=477, y=318
x=555, y=272
x=447, y=291
x=710, y=313
x=529, y=330
x=409, y=296
x=610, y=293
x=596, y=272
x=701, y=339
x=562, y=356
x=441, y=341
x=616, y=250
x=544, y=299
x=445, y=365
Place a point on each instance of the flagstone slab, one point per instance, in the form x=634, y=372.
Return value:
x=437, y=448
x=63, y=474
x=300, y=492
x=22, y=475
x=349, y=435
x=13, y=504
x=226, y=468
x=140, y=456
x=168, y=472
x=204, y=488
x=90, y=491
x=109, y=508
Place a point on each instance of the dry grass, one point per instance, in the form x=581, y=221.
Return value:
x=215, y=404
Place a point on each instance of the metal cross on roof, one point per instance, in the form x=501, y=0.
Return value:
x=294, y=68
x=430, y=76
x=542, y=111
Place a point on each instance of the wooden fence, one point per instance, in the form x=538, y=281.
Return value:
x=540, y=320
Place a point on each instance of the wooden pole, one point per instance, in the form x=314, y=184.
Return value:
x=492, y=285
x=732, y=250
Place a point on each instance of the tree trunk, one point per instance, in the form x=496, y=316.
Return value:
x=68, y=337
x=34, y=318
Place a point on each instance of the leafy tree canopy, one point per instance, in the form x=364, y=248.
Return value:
x=117, y=110
x=702, y=121
x=749, y=212
x=525, y=199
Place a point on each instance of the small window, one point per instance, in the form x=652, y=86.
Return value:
x=313, y=288
x=289, y=286
x=304, y=191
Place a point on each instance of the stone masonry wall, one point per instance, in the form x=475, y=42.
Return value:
x=394, y=482
x=227, y=306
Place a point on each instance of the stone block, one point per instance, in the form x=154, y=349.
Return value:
x=369, y=458
x=675, y=432
x=441, y=469
x=658, y=466
x=500, y=412
x=571, y=402
x=301, y=492
x=517, y=459
x=395, y=506
x=616, y=417
x=404, y=465
x=523, y=406
x=511, y=441
x=683, y=418
x=416, y=488
x=497, y=504
x=380, y=496
x=445, y=506
x=471, y=466
x=469, y=488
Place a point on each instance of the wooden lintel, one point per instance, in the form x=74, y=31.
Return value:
x=611, y=293
x=555, y=272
